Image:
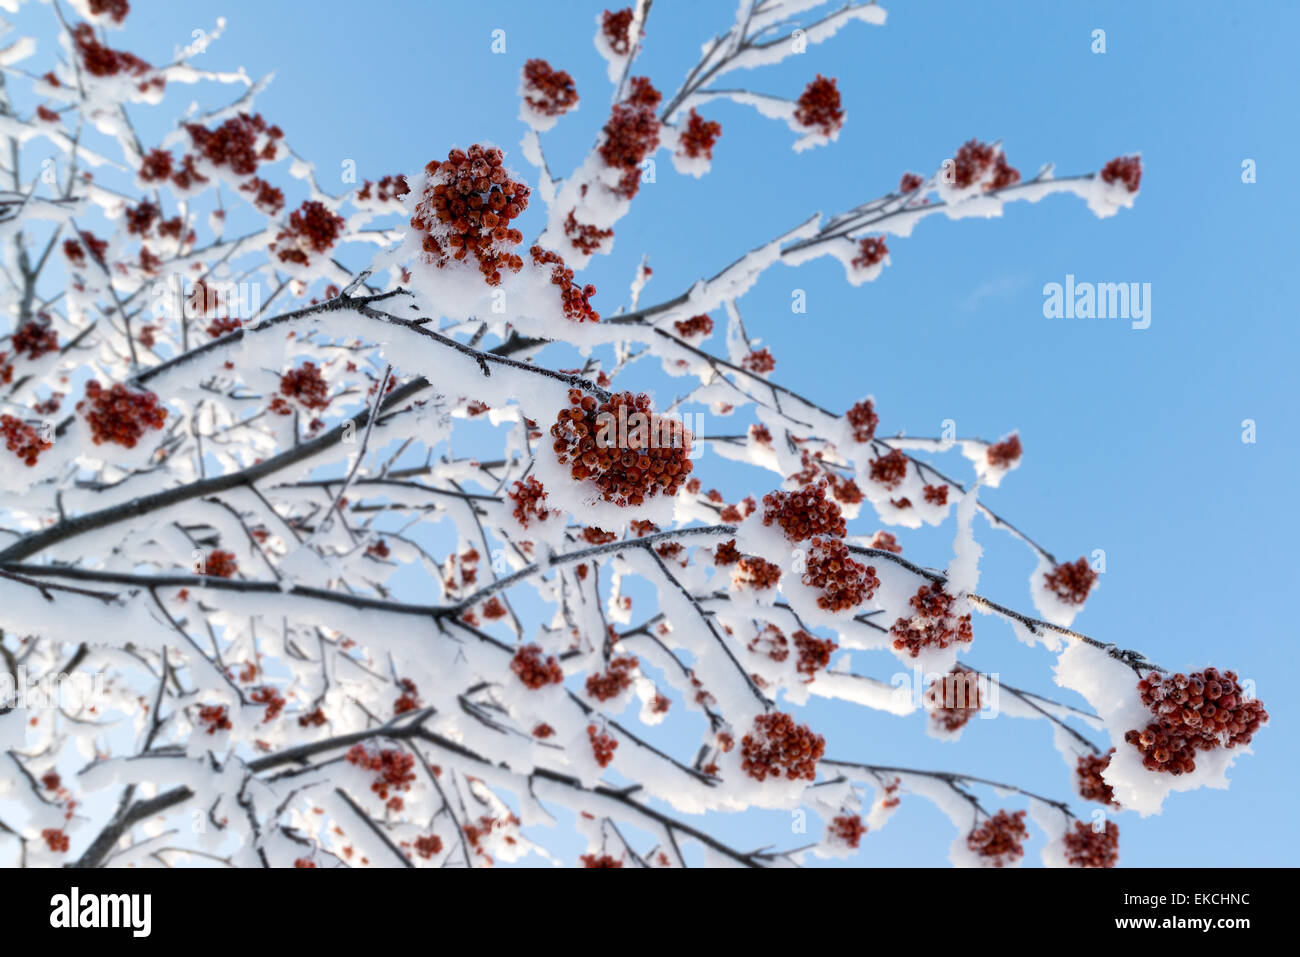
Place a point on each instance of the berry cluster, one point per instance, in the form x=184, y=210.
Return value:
x=312, y=227
x=1092, y=787
x=266, y=197
x=804, y=514
x=863, y=420
x=616, y=679
x=933, y=625
x=616, y=25
x=890, y=469
x=584, y=237
x=467, y=209
x=1004, y=454
x=116, y=9
x=214, y=718
x=1087, y=847
x=1071, y=581
x=119, y=414
x=1000, y=839
x=409, y=699
x=1004, y=174
x=575, y=300
x=778, y=747
x=528, y=496
x=699, y=136
x=99, y=60
x=220, y=564
x=844, y=582
x=1198, y=712
x=603, y=745
x=936, y=494
x=223, y=326
x=871, y=250
x=389, y=188
x=726, y=553
x=631, y=134
x=305, y=387
x=759, y=362
x=534, y=670
x=814, y=653
x=428, y=846
x=597, y=536
x=267, y=695
x=549, y=91
x=954, y=699
x=819, y=106
x=910, y=182
x=700, y=326
x=756, y=572
x=55, y=840
x=395, y=769
x=848, y=828
x=1124, y=169
x=602, y=860
x=234, y=143
x=22, y=439
x=971, y=163
x=886, y=542
x=627, y=468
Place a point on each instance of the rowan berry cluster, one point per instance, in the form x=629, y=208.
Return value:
x=954, y=699
x=759, y=362
x=819, y=107
x=616, y=25
x=429, y=845
x=267, y=695
x=77, y=255
x=1198, y=712
x=863, y=420
x=814, y=653
x=1124, y=169
x=1071, y=581
x=575, y=300
x=699, y=136
x=971, y=163
x=933, y=625
x=936, y=494
x=804, y=514
x=116, y=9
x=777, y=747
x=395, y=769
x=266, y=197
x=1092, y=786
x=220, y=564
x=597, y=536
x=1004, y=454
x=756, y=573
x=910, y=182
x=467, y=209
x=1087, y=847
x=528, y=497
x=549, y=91
x=55, y=840
x=726, y=553
x=534, y=670
x=700, y=326
x=603, y=745
x=101, y=61
x=844, y=582
x=304, y=387
x=886, y=542
x=235, y=143
x=389, y=188
x=890, y=469
x=1000, y=838
x=312, y=227
x=848, y=828
x=631, y=134
x=120, y=415
x=584, y=237
x=214, y=718
x=22, y=439
x=616, y=679
x=652, y=460
x=409, y=699
x=871, y=250
x=602, y=860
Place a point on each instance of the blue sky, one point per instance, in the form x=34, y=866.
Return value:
x=1133, y=438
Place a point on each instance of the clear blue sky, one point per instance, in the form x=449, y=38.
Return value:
x=1133, y=438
